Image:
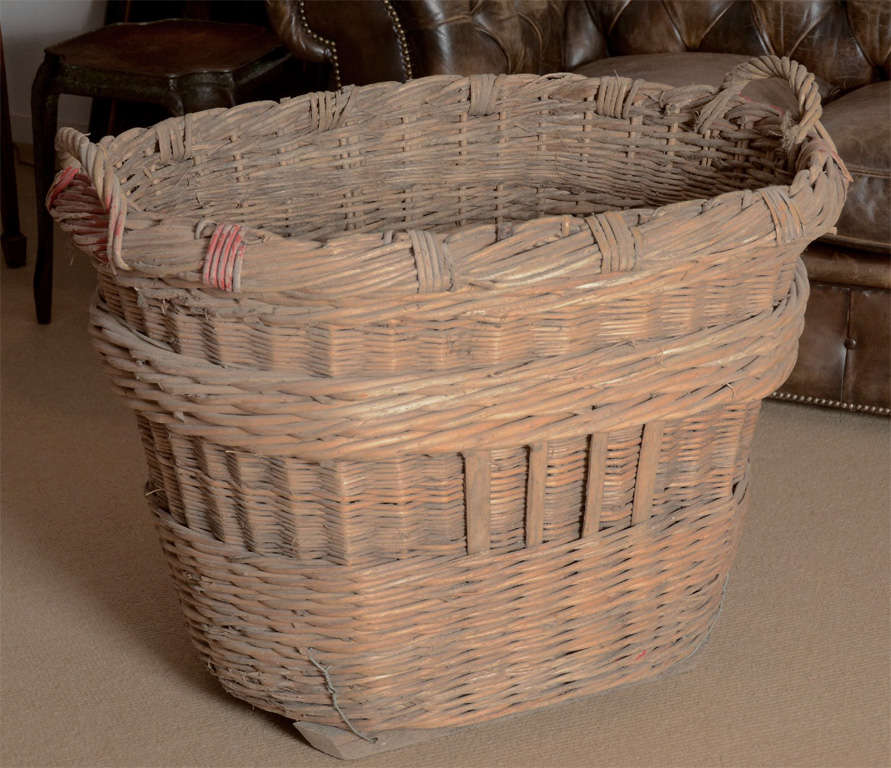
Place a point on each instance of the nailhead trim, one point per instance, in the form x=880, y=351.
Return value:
x=876, y=410
x=403, y=42
x=332, y=47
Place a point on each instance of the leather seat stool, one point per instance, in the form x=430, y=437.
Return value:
x=183, y=65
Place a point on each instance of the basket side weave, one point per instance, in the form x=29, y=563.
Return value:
x=338, y=472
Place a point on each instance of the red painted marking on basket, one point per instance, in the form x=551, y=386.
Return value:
x=230, y=253
x=233, y=257
x=222, y=265
x=640, y=655
x=60, y=183
x=210, y=262
x=222, y=260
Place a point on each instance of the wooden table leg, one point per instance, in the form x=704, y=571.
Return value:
x=14, y=243
x=44, y=116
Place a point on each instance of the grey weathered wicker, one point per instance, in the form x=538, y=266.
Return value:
x=447, y=387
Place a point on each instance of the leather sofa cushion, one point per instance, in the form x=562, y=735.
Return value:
x=840, y=265
x=697, y=68
x=860, y=125
x=820, y=369
x=869, y=356
x=844, y=354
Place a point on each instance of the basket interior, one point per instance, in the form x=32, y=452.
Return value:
x=426, y=163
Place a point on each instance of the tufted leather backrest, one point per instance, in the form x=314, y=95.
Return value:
x=447, y=36
x=845, y=42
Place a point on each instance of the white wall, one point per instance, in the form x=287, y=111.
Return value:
x=29, y=26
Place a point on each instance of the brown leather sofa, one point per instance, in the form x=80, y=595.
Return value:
x=845, y=354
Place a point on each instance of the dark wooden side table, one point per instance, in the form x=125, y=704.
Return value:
x=13, y=241
x=183, y=65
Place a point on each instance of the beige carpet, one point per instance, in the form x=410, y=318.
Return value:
x=97, y=668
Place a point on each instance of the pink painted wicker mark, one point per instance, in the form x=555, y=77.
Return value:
x=222, y=265
x=60, y=184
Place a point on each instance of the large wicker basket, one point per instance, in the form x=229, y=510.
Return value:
x=447, y=387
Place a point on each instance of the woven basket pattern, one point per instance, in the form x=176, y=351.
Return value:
x=447, y=387
x=521, y=630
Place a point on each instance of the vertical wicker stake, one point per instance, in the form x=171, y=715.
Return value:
x=476, y=489
x=646, y=471
x=594, y=483
x=535, y=493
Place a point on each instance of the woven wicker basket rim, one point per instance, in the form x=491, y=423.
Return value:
x=667, y=96
x=185, y=240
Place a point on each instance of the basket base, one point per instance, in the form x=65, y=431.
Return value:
x=346, y=745
x=341, y=743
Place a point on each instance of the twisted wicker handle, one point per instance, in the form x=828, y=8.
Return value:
x=79, y=154
x=802, y=83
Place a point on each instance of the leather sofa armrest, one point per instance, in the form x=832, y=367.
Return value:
x=362, y=40
x=284, y=16
x=376, y=40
